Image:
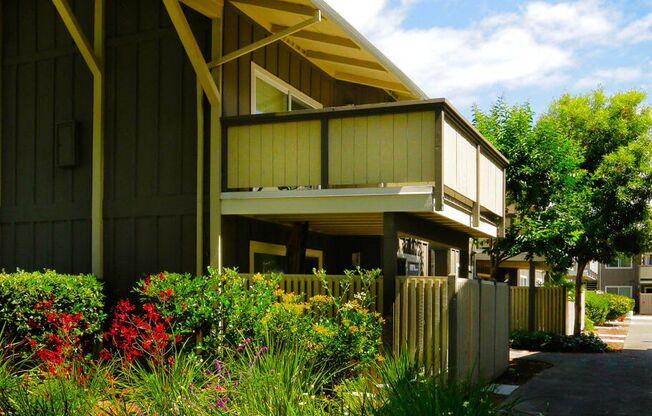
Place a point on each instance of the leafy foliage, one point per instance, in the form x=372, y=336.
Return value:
x=612, y=133
x=544, y=165
x=34, y=306
x=402, y=389
x=547, y=341
x=619, y=306
x=597, y=307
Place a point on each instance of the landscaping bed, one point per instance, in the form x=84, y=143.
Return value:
x=219, y=344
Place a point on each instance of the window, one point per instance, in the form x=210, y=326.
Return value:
x=619, y=290
x=272, y=95
x=646, y=259
x=270, y=258
x=621, y=262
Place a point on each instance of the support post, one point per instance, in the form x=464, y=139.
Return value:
x=439, y=159
x=97, y=192
x=465, y=261
x=476, y=204
x=532, y=296
x=215, y=175
x=94, y=58
x=199, y=245
x=390, y=248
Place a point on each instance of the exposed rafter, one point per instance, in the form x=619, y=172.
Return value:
x=71, y=23
x=279, y=5
x=192, y=50
x=372, y=82
x=209, y=8
x=266, y=41
x=344, y=60
x=319, y=37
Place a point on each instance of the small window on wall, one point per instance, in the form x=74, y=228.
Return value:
x=271, y=258
x=270, y=94
x=619, y=290
x=646, y=259
x=621, y=262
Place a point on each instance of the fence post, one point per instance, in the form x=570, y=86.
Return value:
x=452, y=326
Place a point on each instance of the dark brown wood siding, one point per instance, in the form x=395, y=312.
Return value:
x=45, y=210
x=285, y=63
x=150, y=134
x=150, y=144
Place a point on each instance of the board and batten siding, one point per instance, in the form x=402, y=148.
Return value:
x=459, y=162
x=283, y=62
x=394, y=148
x=150, y=144
x=45, y=209
x=491, y=185
x=276, y=154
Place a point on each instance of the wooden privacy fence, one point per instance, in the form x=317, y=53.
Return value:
x=479, y=329
x=459, y=326
x=310, y=285
x=421, y=322
x=554, y=312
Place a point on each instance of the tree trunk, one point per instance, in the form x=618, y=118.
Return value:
x=578, y=297
x=532, y=296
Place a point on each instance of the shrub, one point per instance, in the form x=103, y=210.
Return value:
x=618, y=306
x=32, y=305
x=403, y=389
x=547, y=341
x=190, y=302
x=597, y=307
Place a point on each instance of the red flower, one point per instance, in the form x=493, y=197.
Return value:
x=148, y=281
x=169, y=291
x=32, y=342
x=161, y=276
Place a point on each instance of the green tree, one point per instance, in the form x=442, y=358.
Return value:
x=543, y=165
x=612, y=201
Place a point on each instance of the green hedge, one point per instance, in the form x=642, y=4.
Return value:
x=26, y=298
x=597, y=307
x=619, y=306
x=551, y=342
x=601, y=307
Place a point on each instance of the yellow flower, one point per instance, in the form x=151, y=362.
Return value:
x=256, y=278
x=320, y=299
x=353, y=329
x=322, y=330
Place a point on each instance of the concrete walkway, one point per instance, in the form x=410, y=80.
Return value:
x=618, y=383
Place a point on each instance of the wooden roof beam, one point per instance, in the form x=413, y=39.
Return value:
x=279, y=5
x=344, y=60
x=266, y=41
x=372, y=82
x=70, y=21
x=319, y=37
x=192, y=50
x=209, y=8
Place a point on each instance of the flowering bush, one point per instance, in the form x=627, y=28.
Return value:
x=190, y=302
x=33, y=305
x=135, y=335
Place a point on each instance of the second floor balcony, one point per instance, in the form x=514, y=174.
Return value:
x=421, y=157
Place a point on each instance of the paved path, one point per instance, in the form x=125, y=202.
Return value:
x=618, y=383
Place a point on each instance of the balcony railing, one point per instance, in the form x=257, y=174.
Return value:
x=385, y=145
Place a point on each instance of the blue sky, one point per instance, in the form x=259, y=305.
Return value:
x=474, y=51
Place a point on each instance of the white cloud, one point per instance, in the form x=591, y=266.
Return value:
x=637, y=31
x=536, y=45
x=610, y=76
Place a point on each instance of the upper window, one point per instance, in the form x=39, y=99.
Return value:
x=272, y=95
x=621, y=262
x=646, y=259
x=619, y=290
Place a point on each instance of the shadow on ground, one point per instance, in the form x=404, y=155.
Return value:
x=616, y=383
